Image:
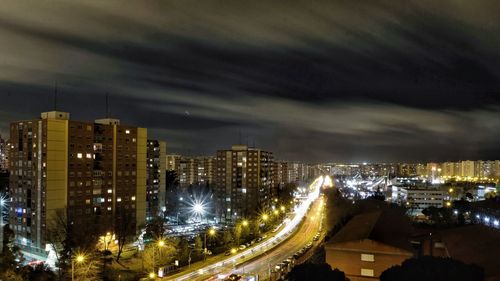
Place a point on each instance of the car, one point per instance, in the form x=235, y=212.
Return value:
x=227, y=253
x=242, y=247
x=259, y=239
x=264, y=236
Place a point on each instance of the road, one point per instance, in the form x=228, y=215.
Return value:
x=262, y=264
x=226, y=265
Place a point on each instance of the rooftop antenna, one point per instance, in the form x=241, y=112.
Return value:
x=55, y=96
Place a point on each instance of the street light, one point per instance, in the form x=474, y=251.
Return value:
x=152, y=275
x=282, y=208
x=233, y=251
x=198, y=208
x=79, y=258
x=244, y=223
x=265, y=217
x=211, y=232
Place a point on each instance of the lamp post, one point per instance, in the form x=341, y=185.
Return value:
x=211, y=232
x=79, y=259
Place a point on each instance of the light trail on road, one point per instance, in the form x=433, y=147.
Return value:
x=285, y=232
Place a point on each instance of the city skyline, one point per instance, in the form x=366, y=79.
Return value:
x=344, y=82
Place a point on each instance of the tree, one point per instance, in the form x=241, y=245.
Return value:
x=315, y=272
x=237, y=234
x=11, y=257
x=171, y=184
x=124, y=228
x=227, y=237
x=285, y=192
x=155, y=228
x=433, y=269
x=40, y=272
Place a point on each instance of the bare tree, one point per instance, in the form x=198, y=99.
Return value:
x=124, y=229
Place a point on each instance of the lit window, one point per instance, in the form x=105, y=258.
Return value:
x=367, y=257
x=89, y=155
x=367, y=272
x=127, y=132
x=87, y=201
x=118, y=199
x=133, y=198
x=79, y=155
x=109, y=208
x=110, y=191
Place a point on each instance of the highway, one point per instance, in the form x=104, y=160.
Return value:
x=262, y=264
x=245, y=260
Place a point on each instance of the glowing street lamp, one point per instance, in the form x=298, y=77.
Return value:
x=282, y=208
x=198, y=208
x=233, y=251
x=152, y=275
x=79, y=258
x=244, y=223
x=276, y=212
x=211, y=232
x=265, y=217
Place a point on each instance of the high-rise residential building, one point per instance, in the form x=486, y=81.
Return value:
x=297, y=172
x=155, y=179
x=187, y=172
x=3, y=154
x=243, y=182
x=206, y=170
x=92, y=172
x=173, y=162
x=280, y=173
x=468, y=169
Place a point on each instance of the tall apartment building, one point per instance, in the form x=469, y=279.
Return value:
x=206, y=170
x=280, y=173
x=468, y=169
x=187, y=171
x=94, y=172
x=173, y=162
x=243, y=182
x=3, y=154
x=155, y=179
x=297, y=172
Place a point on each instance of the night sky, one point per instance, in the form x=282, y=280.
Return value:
x=309, y=80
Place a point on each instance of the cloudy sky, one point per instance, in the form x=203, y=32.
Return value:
x=388, y=80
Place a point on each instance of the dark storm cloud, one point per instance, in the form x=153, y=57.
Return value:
x=325, y=80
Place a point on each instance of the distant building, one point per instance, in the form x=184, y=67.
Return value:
x=187, y=171
x=173, y=162
x=92, y=172
x=155, y=180
x=297, y=172
x=206, y=170
x=280, y=173
x=468, y=169
x=369, y=244
x=243, y=182
x=418, y=199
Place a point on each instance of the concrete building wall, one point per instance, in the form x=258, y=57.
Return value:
x=365, y=256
